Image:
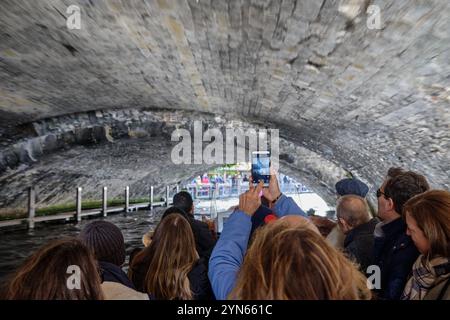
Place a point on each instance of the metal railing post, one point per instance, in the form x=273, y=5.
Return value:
x=127, y=198
x=105, y=201
x=151, y=197
x=167, y=195
x=78, y=213
x=31, y=207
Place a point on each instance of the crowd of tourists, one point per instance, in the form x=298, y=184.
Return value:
x=269, y=248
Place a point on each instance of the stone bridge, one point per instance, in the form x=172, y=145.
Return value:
x=96, y=106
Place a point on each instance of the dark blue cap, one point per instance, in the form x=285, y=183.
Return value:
x=351, y=186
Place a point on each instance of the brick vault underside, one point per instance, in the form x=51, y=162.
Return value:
x=96, y=106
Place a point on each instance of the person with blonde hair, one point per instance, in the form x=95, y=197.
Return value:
x=294, y=262
x=428, y=219
x=170, y=267
x=288, y=258
x=147, y=238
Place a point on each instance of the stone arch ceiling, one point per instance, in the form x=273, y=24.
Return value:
x=347, y=99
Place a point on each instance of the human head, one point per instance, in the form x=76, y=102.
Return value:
x=291, y=261
x=45, y=274
x=351, y=186
x=351, y=212
x=183, y=200
x=393, y=172
x=428, y=219
x=172, y=255
x=299, y=221
x=147, y=238
x=105, y=240
x=174, y=210
x=396, y=191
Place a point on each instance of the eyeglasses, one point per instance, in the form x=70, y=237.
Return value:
x=379, y=193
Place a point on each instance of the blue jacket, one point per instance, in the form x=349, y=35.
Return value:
x=228, y=255
x=395, y=254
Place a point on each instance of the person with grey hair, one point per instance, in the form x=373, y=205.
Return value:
x=357, y=224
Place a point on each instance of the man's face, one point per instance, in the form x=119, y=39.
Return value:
x=417, y=235
x=383, y=203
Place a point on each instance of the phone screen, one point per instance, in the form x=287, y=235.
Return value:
x=261, y=167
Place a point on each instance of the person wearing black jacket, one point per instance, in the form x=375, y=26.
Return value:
x=394, y=251
x=205, y=240
x=355, y=221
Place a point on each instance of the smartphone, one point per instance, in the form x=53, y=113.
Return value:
x=261, y=167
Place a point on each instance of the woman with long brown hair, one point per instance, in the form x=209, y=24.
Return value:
x=294, y=262
x=428, y=219
x=170, y=267
x=63, y=269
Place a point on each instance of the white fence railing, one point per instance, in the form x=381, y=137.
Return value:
x=210, y=191
x=228, y=190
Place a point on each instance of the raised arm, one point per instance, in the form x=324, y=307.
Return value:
x=287, y=206
x=228, y=255
x=283, y=205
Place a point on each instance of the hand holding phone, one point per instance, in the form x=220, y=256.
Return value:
x=250, y=201
x=261, y=167
x=273, y=191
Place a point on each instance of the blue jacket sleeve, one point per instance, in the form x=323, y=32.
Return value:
x=287, y=206
x=226, y=258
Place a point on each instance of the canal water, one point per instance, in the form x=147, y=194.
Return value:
x=16, y=245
